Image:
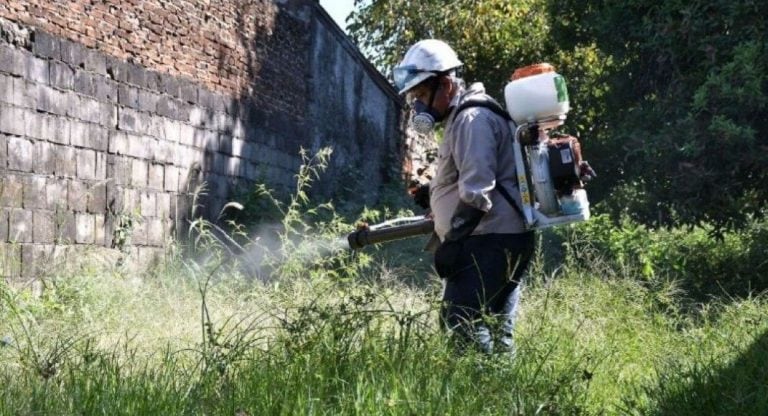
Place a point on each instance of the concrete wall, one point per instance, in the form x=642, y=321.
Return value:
x=356, y=118
x=111, y=114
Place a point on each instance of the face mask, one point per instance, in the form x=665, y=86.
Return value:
x=425, y=117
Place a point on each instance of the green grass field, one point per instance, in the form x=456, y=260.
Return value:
x=616, y=319
x=354, y=338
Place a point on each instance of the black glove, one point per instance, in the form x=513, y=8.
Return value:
x=464, y=221
x=420, y=195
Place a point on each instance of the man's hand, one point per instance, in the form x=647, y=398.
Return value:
x=586, y=173
x=464, y=220
x=420, y=194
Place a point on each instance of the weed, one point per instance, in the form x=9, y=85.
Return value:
x=320, y=331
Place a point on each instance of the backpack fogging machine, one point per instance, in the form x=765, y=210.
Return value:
x=550, y=170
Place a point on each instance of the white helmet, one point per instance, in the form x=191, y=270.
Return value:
x=426, y=58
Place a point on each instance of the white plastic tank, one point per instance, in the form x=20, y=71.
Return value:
x=536, y=93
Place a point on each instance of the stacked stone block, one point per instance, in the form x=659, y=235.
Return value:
x=87, y=141
x=114, y=113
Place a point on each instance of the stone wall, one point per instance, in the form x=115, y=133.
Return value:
x=112, y=113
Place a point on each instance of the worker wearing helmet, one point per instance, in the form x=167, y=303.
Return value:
x=485, y=248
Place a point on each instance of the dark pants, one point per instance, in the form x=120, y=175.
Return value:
x=487, y=270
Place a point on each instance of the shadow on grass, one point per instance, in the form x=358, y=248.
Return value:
x=740, y=388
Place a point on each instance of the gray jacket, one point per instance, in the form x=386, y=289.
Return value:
x=476, y=153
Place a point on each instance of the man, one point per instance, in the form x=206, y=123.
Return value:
x=485, y=248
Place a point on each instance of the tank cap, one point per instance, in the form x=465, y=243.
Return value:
x=531, y=70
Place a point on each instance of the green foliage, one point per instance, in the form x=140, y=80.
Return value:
x=668, y=97
x=703, y=264
x=297, y=238
x=608, y=332
x=125, y=223
x=684, y=105
x=589, y=342
x=723, y=373
x=492, y=37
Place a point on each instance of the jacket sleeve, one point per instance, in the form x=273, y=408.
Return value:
x=475, y=151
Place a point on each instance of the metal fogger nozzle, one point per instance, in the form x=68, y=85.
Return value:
x=396, y=229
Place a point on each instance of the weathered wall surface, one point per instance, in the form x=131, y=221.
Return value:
x=348, y=102
x=113, y=112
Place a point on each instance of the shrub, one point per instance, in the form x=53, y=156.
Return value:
x=704, y=262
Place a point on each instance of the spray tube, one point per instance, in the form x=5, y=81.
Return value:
x=395, y=229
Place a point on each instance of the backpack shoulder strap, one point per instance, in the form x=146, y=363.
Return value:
x=487, y=103
x=504, y=193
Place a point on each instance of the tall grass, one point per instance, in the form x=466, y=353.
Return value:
x=586, y=345
x=335, y=333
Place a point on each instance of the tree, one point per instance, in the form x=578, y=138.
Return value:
x=668, y=96
x=686, y=107
x=492, y=37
